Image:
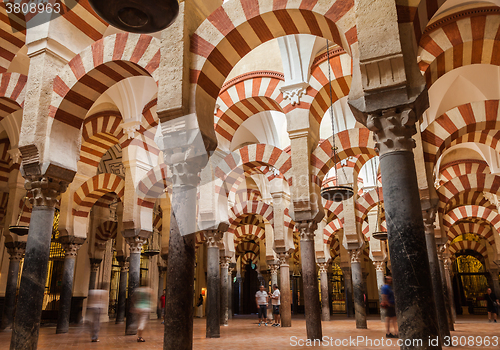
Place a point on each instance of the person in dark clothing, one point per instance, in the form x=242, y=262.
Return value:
x=492, y=305
x=388, y=303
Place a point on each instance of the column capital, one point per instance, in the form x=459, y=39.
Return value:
x=274, y=268
x=429, y=216
x=323, y=267
x=307, y=230
x=186, y=173
x=71, y=245
x=213, y=238
x=441, y=251
x=224, y=262
x=45, y=190
x=16, y=250
x=94, y=264
x=135, y=243
x=283, y=259
x=355, y=255
x=379, y=266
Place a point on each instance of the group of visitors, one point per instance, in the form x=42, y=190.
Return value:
x=262, y=300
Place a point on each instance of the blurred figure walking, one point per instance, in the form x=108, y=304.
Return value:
x=95, y=306
x=142, y=307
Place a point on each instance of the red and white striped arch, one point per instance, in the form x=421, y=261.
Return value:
x=82, y=16
x=462, y=167
x=470, y=182
x=350, y=143
x=93, y=189
x=452, y=127
x=469, y=37
x=103, y=64
x=463, y=246
x=243, y=232
x=154, y=183
x=334, y=245
x=248, y=194
x=468, y=197
x=12, y=92
x=257, y=208
x=460, y=228
x=239, y=26
x=12, y=36
x=245, y=247
x=333, y=210
x=418, y=12
x=249, y=257
x=472, y=211
x=366, y=202
x=332, y=227
x=107, y=230
x=237, y=163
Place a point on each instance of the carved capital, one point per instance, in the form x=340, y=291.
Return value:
x=379, y=266
x=135, y=243
x=94, y=264
x=45, y=190
x=393, y=129
x=323, y=267
x=186, y=173
x=71, y=245
x=283, y=259
x=294, y=92
x=429, y=220
x=307, y=229
x=224, y=262
x=441, y=251
x=274, y=268
x=16, y=250
x=355, y=255
x=213, y=238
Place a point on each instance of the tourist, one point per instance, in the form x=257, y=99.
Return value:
x=388, y=303
x=199, y=307
x=95, y=305
x=492, y=305
x=275, y=299
x=162, y=306
x=262, y=298
x=142, y=307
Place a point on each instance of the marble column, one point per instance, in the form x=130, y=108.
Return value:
x=496, y=285
x=379, y=270
x=122, y=289
x=213, y=238
x=240, y=294
x=310, y=279
x=134, y=279
x=274, y=274
x=230, y=291
x=444, y=288
x=71, y=245
x=94, y=268
x=16, y=251
x=161, y=286
x=28, y=313
x=429, y=217
x=325, y=296
x=415, y=305
x=224, y=290
x=358, y=286
x=346, y=272
x=286, y=302
x=449, y=287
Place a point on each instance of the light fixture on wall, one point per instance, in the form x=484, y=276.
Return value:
x=137, y=16
x=18, y=229
x=334, y=193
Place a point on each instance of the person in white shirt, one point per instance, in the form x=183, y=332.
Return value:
x=261, y=299
x=275, y=300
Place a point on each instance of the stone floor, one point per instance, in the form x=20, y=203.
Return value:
x=243, y=333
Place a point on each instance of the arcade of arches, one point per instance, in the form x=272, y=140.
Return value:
x=193, y=159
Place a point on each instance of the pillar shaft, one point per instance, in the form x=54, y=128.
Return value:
x=224, y=290
x=379, y=269
x=346, y=271
x=230, y=293
x=16, y=251
x=325, y=296
x=122, y=291
x=445, y=275
x=358, y=286
x=310, y=280
x=286, y=303
x=29, y=306
x=161, y=284
x=134, y=276
x=213, y=284
x=94, y=268
x=70, y=245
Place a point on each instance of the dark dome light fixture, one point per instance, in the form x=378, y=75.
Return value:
x=17, y=229
x=137, y=16
x=334, y=193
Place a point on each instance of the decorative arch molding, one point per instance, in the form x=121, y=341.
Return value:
x=464, y=246
x=249, y=257
x=253, y=207
x=468, y=197
x=331, y=228
x=458, y=168
x=246, y=231
x=12, y=92
x=93, y=189
x=154, y=183
x=107, y=230
x=367, y=202
x=470, y=212
x=459, y=228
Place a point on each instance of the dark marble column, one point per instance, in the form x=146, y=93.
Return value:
x=224, y=290
x=349, y=303
x=358, y=286
x=134, y=279
x=240, y=294
x=213, y=238
x=230, y=290
x=449, y=287
x=286, y=302
x=437, y=284
x=379, y=270
x=161, y=286
x=122, y=289
x=415, y=306
x=16, y=251
x=448, y=297
x=325, y=297
x=95, y=263
x=310, y=280
x=30, y=301
x=71, y=245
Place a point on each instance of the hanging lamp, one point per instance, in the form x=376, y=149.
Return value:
x=18, y=229
x=137, y=16
x=380, y=235
x=335, y=193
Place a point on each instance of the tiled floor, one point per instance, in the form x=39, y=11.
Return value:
x=243, y=333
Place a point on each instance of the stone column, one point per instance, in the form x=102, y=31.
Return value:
x=449, y=287
x=310, y=280
x=94, y=268
x=325, y=297
x=446, y=286
x=16, y=251
x=429, y=217
x=213, y=238
x=346, y=272
x=496, y=284
x=134, y=278
x=224, y=290
x=122, y=289
x=240, y=294
x=71, y=245
x=274, y=274
x=45, y=191
x=286, y=303
x=161, y=284
x=379, y=270
x=415, y=306
x=358, y=287
x=230, y=291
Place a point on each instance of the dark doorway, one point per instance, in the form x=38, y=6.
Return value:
x=250, y=287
